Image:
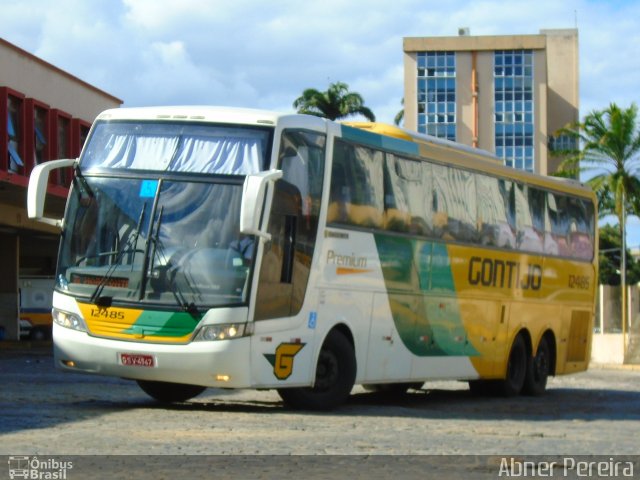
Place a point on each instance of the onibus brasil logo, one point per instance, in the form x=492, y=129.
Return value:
x=38, y=469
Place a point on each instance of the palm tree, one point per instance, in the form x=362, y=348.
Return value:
x=400, y=115
x=337, y=102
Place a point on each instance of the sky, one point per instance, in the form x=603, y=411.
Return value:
x=263, y=54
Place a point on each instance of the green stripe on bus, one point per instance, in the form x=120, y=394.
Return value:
x=422, y=296
x=163, y=324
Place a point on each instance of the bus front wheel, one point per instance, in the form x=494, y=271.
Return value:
x=335, y=376
x=166, y=392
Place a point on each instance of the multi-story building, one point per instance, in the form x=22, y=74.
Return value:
x=45, y=114
x=504, y=94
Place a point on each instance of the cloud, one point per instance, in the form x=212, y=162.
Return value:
x=263, y=54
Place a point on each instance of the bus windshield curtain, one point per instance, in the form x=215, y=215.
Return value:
x=222, y=154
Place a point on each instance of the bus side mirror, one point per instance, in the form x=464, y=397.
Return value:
x=253, y=195
x=37, y=191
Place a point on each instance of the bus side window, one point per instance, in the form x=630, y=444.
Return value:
x=580, y=234
x=295, y=170
x=528, y=238
x=538, y=210
x=493, y=218
x=340, y=195
x=367, y=188
x=455, y=191
x=440, y=219
x=396, y=209
x=558, y=228
x=589, y=211
x=357, y=186
x=462, y=219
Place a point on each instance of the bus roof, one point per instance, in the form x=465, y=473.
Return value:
x=198, y=113
x=398, y=132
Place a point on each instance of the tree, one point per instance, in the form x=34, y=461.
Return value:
x=609, y=259
x=400, y=115
x=337, y=102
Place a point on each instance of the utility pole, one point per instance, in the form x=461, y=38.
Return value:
x=623, y=275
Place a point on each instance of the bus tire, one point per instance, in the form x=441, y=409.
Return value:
x=516, y=369
x=166, y=392
x=538, y=368
x=335, y=376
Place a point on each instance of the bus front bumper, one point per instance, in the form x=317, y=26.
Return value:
x=222, y=363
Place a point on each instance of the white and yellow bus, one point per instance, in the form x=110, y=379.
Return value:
x=215, y=247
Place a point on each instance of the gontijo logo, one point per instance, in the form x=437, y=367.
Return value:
x=491, y=272
x=282, y=360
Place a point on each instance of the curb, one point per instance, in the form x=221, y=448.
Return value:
x=614, y=366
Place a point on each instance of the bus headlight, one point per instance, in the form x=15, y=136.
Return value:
x=68, y=320
x=226, y=331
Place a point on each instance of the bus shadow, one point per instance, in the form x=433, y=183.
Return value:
x=560, y=404
x=556, y=404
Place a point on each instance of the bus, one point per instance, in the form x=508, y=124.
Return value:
x=234, y=248
x=35, y=301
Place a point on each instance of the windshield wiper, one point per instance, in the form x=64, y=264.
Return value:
x=79, y=178
x=96, y=297
x=151, y=246
x=189, y=307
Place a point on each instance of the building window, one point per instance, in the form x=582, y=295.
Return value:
x=41, y=131
x=14, y=133
x=437, y=94
x=61, y=142
x=562, y=143
x=513, y=106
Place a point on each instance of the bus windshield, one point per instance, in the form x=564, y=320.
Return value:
x=154, y=214
x=159, y=241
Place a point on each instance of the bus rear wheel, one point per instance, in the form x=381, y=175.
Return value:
x=166, y=392
x=538, y=368
x=335, y=376
x=516, y=369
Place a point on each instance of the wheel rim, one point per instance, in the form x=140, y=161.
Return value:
x=541, y=363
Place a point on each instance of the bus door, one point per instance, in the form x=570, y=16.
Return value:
x=286, y=263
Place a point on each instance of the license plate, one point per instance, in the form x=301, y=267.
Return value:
x=137, y=360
